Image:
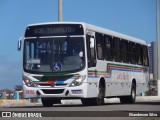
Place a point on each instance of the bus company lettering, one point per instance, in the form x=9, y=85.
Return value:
x=30, y=92
x=123, y=76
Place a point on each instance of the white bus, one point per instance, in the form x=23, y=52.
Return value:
x=76, y=60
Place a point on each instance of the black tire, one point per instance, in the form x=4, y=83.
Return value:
x=48, y=102
x=95, y=101
x=131, y=98
x=123, y=99
x=100, y=99
x=87, y=101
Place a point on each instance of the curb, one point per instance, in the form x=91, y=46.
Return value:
x=148, y=99
x=9, y=103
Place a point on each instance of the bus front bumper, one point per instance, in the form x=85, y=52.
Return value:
x=56, y=92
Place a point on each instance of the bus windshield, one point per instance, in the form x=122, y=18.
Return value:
x=54, y=54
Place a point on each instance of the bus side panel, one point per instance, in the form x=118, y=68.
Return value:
x=122, y=82
x=92, y=87
x=96, y=73
x=142, y=86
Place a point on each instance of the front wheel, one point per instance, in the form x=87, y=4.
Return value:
x=99, y=100
x=48, y=102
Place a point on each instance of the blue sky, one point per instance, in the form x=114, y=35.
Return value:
x=136, y=18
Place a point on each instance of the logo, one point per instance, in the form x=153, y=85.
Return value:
x=6, y=114
x=123, y=76
x=21, y=114
x=53, y=85
x=57, y=66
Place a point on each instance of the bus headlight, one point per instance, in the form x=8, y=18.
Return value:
x=29, y=82
x=78, y=81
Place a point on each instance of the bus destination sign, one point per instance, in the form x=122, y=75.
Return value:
x=54, y=30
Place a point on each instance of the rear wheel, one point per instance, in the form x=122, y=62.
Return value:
x=123, y=99
x=48, y=102
x=131, y=98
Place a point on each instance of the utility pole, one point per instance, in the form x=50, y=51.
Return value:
x=60, y=10
x=158, y=44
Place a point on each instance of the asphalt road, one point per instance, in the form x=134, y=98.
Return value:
x=115, y=111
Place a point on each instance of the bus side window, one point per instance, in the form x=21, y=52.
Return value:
x=132, y=48
x=117, y=51
x=139, y=57
x=91, y=53
x=145, y=56
x=99, y=45
x=108, y=46
x=124, y=51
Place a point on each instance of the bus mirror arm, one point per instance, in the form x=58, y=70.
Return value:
x=19, y=46
x=92, y=63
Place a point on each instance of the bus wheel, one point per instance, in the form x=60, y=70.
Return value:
x=123, y=99
x=131, y=98
x=86, y=101
x=95, y=101
x=100, y=99
x=48, y=102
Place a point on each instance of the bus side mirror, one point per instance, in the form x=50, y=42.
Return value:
x=91, y=42
x=81, y=54
x=19, y=46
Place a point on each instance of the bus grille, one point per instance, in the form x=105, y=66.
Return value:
x=53, y=91
x=52, y=85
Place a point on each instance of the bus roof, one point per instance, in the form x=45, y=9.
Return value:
x=98, y=29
